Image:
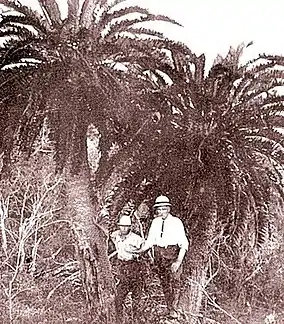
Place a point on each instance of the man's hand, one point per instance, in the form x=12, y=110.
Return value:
x=139, y=251
x=151, y=257
x=175, y=266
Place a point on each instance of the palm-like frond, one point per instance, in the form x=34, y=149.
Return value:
x=25, y=11
x=24, y=21
x=224, y=119
x=87, y=13
x=73, y=12
x=51, y=11
x=60, y=54
x=108, y=17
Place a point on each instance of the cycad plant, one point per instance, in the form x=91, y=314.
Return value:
x=220, y=153
x=69, y=74
x=235, y=136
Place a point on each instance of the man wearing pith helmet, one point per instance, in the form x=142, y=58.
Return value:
x=167, y=237
x=131, y=271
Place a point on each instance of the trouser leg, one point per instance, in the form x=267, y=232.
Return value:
x=122, y=291
x=176, y=287
x=136, y=302
x=170, y=283
x=131, y=279
x=137, y=288
x=165, y=280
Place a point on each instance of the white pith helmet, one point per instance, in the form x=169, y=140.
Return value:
x=162, y=201
x=124, y=221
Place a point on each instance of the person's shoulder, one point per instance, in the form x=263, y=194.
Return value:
x=176, y=219
x=155, y=220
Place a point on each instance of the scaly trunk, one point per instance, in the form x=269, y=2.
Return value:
x=96, y=272
x=71, y=111
x=199, y=253
x=95, y=268
x=86, y=216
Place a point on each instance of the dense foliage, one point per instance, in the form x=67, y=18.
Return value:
x=211, y=141
x=71, y=71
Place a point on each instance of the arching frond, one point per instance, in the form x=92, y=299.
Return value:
x=241, y=220
x=115, y=3
x=25, y=11
x=51, y=10
x=24, y=21
x=73, y=13
x=123, y=25
x=275, y=120
x=267, y=147
x=19, y=31
x=108, y=17
x=145, y=31
x=87, y=13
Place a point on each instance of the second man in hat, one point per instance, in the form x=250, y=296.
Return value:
x=167, y=237
x=131, y=276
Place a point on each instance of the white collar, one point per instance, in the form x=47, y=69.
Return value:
x=168, y=216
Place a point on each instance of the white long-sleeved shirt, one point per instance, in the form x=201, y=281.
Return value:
x=127, y=246
x=170, y=233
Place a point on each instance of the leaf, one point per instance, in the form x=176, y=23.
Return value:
x=51, y=10
x=199, y=68
x=108, y=17
x=145, y=31
x=116, y=2
x=122, y=26
x=73, y=12
x=262, y=225
x=87, y=13
x=32, y=17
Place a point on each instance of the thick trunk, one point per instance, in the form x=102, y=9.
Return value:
x=195, y=282
x=198, y=257
x=71, y=112
x=87, y=214
x=192, y=296
x=92, y=242
x=96, y=272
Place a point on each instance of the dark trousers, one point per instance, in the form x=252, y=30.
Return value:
x=170, y=282
x=131, y=279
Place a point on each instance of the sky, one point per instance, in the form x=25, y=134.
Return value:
x=212, y=26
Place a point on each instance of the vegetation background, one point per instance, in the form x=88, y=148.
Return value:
x=95, y=121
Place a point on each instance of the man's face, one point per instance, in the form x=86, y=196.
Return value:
x=163, y=211
x=124, y=230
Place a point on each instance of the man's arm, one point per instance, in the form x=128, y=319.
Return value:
x=175, y=265
x=150, y=241
x=182, y=239
x=183, y=244
x=181, y=254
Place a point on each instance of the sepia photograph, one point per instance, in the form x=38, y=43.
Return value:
x=141, y=162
